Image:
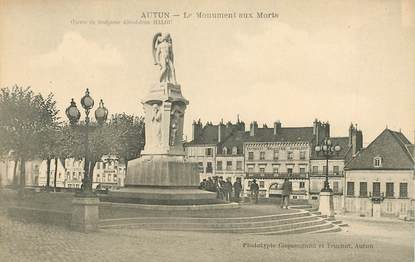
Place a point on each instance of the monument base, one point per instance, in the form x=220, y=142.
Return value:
x=162, y=196
x=326, y=206
x=162, y=180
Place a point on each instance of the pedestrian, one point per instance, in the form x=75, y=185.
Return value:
x=219, y=188
x=227, y=189
x=237, y=188
x=254, y=191
x=286, y=191
x=210, y=185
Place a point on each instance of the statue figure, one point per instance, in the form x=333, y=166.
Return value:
x=156, y=119
x=163, y=56
x=175, y=117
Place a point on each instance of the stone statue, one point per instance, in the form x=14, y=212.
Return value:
x=163, y=56
x=175, y=122
x=156, y=120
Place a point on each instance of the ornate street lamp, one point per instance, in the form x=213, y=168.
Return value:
x=74, y=115
x=328, y=150
x=326, y=205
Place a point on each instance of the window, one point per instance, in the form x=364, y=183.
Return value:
x=377, y=161
x=302, y=155
x=261, y=184
x=290, y=155
x=261, y=155
x=376, y=189
x=250, y=155
x=389, y=207
x=275, y=169
x=262, y=170
x=302, y=184
x=336, y=170
x=99, y=165
x=209, y=151
x=276, y=152
x=324, y=169
x=225, y=151
x=228, y=165
x=403, y=190
x=200, y=167
x=363, y=189
x=389, y=190
x=315, y=169
x=59, y=175
x=403, y=208
x=234, y=150
x=335, y=187
x=250, y=169
x=302, y=170
x=238, y=165
x=350, y=188
x=219, y=165
x=289, y=171
x=209, y=167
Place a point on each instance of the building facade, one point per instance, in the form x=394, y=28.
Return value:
x=217, y=149
x=349, y=147
x=383, y=174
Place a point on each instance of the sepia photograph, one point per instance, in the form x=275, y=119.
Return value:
x=234, y=130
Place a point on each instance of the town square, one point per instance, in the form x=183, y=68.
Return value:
x=275, y=138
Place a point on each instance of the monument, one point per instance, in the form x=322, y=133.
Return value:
x=162, y=175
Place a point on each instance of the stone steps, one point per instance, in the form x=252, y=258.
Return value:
x=300, y=229
x=204, y=228
x=289, y=223
x=157, y=223
x=203, y=220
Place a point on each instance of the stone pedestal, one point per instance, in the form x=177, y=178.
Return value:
x=85, y=215
x=163, y=175
x=326, y=206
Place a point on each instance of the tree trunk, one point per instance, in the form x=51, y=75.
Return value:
x=125, y=171
x=91, y=172
x=22, y=176
x=15, y=184
x=54, y=176
x=48, y=161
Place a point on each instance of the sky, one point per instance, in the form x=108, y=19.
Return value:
x=338, y=61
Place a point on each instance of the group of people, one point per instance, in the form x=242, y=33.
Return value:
x=227, y=191
x=285, y=194
x=224, y=189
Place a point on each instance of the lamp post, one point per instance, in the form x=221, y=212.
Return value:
x=73, y=114
x=326, y=206
x=327, y=149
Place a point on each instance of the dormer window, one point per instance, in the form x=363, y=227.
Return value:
x=225, y=151
x=234, y=150
x=377, y=161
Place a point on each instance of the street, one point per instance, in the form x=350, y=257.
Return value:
x=361, y=241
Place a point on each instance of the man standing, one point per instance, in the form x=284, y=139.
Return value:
x=254, y=191
x=286, y=191
x=237, y=188
x=227, y=187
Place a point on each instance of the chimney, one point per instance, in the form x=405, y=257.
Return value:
x=355, y=139
x=196, y=130
x=221, y=132
x=253, y=128
x=277, y=126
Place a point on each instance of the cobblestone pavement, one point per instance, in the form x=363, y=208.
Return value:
x=35, y=242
